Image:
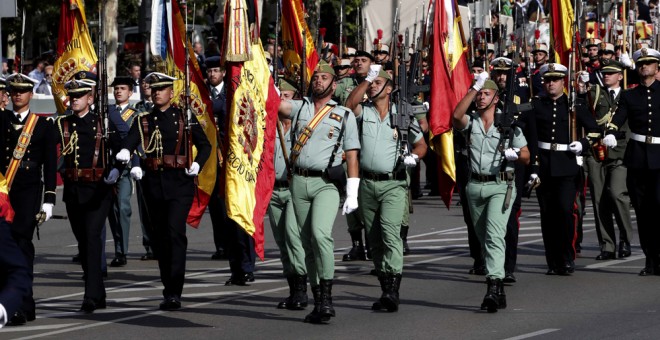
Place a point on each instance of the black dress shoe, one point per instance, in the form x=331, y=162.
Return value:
x=237, y=280
x=646, y=271
x=30, y=316
x=249, y=277
x=148, y=256
x=89, y=305
x=624, y=249
x=606, y=255
x=551, y=271
x=478, y=270
x=118, y=261
x=509, y=278
x=219, y=255
x=18, y=319
x=170, y=303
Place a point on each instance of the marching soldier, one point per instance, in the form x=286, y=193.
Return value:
x=383, y=192
x=490, y=190
x=558, y=167
x=323, y=131
x=282, y=215
x=30, y=166
x=606, y=172
x=88, y=199
x=168, y=183
x=540, y=58
x=345, y=83
x=639, y=108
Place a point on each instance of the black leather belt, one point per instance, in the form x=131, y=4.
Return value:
x=488, y=178
x=281, y=184
x=28, y=165
x=399, y=176
x=308, y=173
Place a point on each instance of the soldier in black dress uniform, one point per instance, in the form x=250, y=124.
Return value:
x=558, y=166
x=640, y=107
x=88, y=199
x=29, y=164
x=168, y=183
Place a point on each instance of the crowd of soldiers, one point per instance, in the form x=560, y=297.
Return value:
x=340, y=140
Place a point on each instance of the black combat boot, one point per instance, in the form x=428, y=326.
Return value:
x=491, y=300
x=389, y=300
x=286, y=303
x=299, y=293
x=326, y=309
x=383, y=282
x=315, y=315
x=501, y=296
x=357, y=251
x=404, y=238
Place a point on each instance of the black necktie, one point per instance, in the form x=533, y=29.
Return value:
x=612, y=94
x=214, y=93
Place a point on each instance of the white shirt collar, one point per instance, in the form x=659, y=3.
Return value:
x=219, y=87
x=22, y=114
x=616, y=91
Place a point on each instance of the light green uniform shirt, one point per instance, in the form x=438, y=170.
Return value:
x=315, y=155
x=485, y=158
x=280, y=164
x=380, y=142
x=344, y=88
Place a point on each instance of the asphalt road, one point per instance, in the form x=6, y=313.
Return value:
x=439, y=299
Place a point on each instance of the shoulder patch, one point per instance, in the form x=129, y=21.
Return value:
x=128, y=113
x=336, y=117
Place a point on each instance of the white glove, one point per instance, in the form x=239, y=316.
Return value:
x=112, y=178
x=584, y=76
x=426, y=105
x=411, y=160
x=351, y=202
x=511, y=154
x=479, y=81
x=373, y=73
x=136, y=173
x=534, y=181
x=194, y=169
x=625, y=60
x=48, y=209
x=610, y=141
x=124, y=156
x=575, y=147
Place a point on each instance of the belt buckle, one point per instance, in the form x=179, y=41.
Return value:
x=304, y=172
x=649, y=139
x=553, y=146
x=483, y=178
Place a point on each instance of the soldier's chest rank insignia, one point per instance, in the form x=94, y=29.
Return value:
x=127, y=114
x=331, y=132
x=336, y=117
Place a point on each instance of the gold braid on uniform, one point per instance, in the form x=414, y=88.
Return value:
x=155, y=143
x=72, y=146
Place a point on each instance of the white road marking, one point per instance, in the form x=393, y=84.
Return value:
x=35, y=328
x=604, y=264
x=533, y=334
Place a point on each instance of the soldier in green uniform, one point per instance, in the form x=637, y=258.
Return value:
x=607, y=176
x=345, y=82
x=282, y=216
x=384, y=189
x=322, y=131
x=491, y=189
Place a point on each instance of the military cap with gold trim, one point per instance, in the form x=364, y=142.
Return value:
x=124, y=80
x=20, y=81
x=501, y=64
x=75, y=87
x=646, y=54
x=157, y=80
x=611, y=66
x=3, y=84
x=86, y=77
x=592, y=42
x=553, y=70
x=324, y=67
x=606, y=47
x=540, y=47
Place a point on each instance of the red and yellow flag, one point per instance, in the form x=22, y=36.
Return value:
x=75, y=51
x=562, y=30
x=6, y=211
x=168, y=46
x=293, y=24
x=252, y=107
x=643, y=29
x=450, y=81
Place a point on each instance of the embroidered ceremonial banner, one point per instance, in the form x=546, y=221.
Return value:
x=75, y=51
x=293, y=24
x=252, y=107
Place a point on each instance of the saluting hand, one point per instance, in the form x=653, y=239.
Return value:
x=373, y=73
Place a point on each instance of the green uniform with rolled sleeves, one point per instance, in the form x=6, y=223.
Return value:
x=486, y=197
x=316, y=199
x=344, y=88
x=282, y=217
x=383, y=188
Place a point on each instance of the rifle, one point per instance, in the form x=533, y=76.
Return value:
x=341, y=30
x=187, y=110
x=102, y=90
x=303, y=65
x=358, y=29
x=572, y=122
x=275, y=58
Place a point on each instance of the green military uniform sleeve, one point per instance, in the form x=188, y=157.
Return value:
x=519, y=140
x=351, y=136
x=416, y=135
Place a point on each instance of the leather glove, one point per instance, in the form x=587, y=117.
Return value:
x=373, y=73
x=584, y=77
x=625, y=60
x=113, y=176
x=610, y=141
x=575, y=147
x=48, y=209
x=124, y=156
x=411, y=160
x=351, y=202
x=194, y=170
x=511, y=154
x=480, y=80
x=136, y=173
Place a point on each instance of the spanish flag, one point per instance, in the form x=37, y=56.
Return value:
x=168, y=46
x=644, y=30
x=293, y=24
x=562, y=30
x=450, y=81
x=6, y=211
x=75, y=51
x=252, y=107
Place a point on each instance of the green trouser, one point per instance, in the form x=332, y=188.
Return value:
x=406, y=211
x=486, y=200
x=286, y=232
x=609, y=193
x=383, y=204
x=315, y=201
